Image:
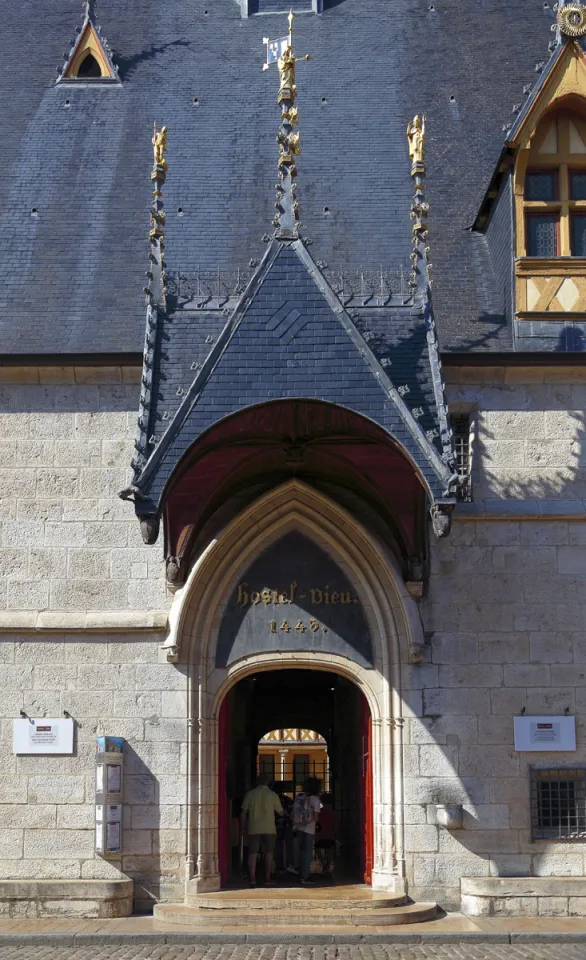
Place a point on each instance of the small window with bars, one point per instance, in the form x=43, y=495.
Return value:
x=462, y=431
x=558, y=803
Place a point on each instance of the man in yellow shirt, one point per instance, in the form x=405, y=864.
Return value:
x=258, y=813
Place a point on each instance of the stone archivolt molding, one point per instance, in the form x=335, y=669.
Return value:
x=195, y=619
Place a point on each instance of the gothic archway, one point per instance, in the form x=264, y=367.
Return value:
x=195, y=625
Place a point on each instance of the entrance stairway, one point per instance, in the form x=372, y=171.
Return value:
x=346, y=905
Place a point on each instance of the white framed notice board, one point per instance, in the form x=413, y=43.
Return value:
x=43, y=736
x=545, y=734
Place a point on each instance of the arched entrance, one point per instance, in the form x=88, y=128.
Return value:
x=290, y=700
x=386, y=624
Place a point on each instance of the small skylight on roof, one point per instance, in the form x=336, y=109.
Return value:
x=90, y=58
x=250, y=8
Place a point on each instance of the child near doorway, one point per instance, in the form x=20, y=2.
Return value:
x=325, y=844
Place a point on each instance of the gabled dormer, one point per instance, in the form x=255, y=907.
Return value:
x=550, y=193
x=90, y=58
x=534, y=214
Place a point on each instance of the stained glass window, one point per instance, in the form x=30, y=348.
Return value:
x=577, y=186
x=542, y=235
x=578, y=224
x=541, y=186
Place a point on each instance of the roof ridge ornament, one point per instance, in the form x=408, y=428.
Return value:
x=156, y=297
x=286, y=219
x=419, y=207
x=420, y=283
x=570, y=19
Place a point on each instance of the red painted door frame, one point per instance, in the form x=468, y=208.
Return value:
x=366, y=812
x=224, y=848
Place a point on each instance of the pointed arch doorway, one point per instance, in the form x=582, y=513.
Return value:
x=298, y=698
x=384, y=624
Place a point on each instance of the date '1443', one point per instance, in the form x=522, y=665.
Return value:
x=313, y=626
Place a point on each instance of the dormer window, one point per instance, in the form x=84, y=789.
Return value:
x=554, y=196
x=90, y=58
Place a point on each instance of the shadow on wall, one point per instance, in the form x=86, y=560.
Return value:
x=532, y=445
x=507, y=602
x=141, y=859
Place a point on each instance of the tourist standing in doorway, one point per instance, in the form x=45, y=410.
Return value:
x=325, y=844
x=258, y=814
x=305, y=816
x=285, y=854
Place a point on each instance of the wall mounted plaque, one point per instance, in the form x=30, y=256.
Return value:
x=44, y=736
x=545, y=734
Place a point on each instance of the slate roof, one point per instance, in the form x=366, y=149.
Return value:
x=290, y=338
x=80, y=155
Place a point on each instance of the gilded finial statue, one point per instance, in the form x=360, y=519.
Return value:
x=416, y=138
x=286, y=67
x=286, y=219
x=159, y=146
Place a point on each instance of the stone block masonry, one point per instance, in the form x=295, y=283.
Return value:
x=71, y=557
x=67, y=542
x=503, y=612
x=111, y=686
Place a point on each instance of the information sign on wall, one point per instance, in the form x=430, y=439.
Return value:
x=45, y=736
x=545, y=734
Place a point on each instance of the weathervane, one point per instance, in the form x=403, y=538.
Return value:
x=280, y=51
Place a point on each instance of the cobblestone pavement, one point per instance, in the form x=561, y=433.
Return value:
x=147, y=951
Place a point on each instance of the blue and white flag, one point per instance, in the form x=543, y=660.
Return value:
x=275, y=49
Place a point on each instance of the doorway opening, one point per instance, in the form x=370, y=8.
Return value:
x=290, y=755
x=322, y=721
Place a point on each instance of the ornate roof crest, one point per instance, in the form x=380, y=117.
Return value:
x=571, y=19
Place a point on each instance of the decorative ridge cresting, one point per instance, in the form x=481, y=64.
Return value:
x=286, y=219
x=420, y=283
x=89, y=26
x=156, y=299
x=570, y=19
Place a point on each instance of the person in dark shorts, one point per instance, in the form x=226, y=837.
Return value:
x=325, y=842
x=285, y=853
x=306, y=809
x=258, y=814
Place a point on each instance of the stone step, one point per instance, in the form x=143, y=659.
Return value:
x=185, y=914
x=317, y=900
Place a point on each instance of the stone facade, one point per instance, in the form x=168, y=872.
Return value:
x=83, y=605
x=68, y=542
x=504, y=615
x=72, y=567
